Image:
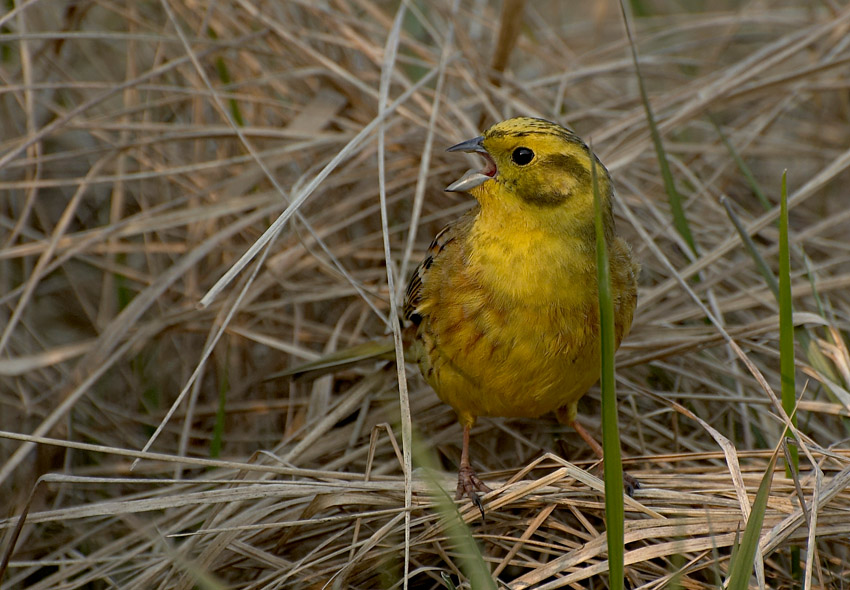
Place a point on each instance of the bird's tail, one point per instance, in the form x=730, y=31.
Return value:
x=347, y=357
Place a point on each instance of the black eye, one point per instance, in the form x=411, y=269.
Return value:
x=522, y=156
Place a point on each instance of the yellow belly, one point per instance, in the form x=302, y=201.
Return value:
x=486, y=360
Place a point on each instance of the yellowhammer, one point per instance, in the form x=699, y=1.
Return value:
x=504, y=306
x=503, y=310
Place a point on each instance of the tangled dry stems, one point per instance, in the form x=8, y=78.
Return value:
x=146, y=147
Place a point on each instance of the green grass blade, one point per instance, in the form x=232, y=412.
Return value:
x=786, y=349
x=447, y=581
x=742, y=562
x=786, y=324
x=748, y=242
x=813, y=354
x=470, y=559
x=224, y=76
x=613, y=467
x=761, y=264
x=810, y=274
x=742, y=166
x=808, y=344
x=680, y=221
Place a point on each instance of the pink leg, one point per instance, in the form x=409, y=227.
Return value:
x=467, y=481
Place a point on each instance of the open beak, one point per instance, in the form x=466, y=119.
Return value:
x=472, y=178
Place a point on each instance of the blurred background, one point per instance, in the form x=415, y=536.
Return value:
x=145, y=147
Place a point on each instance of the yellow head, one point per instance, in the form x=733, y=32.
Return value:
x=535, y=169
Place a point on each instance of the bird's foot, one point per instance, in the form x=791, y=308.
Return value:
x=468, y=484
x=630, y=483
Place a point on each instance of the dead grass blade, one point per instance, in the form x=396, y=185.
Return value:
x=148, y=153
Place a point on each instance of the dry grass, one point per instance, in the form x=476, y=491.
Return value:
x=146, y=146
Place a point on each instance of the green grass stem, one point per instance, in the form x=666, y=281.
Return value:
x=680, y=221
x=813, y=353
x=761, y=263
x=470, y=559
x=744, y=554
x=613, y=467
x=786, y=325
x=742, y=166
x=224, y=76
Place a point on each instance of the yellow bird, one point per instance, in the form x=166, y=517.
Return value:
x=504, y=306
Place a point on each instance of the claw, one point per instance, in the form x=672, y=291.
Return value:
x=630, y=484
x=477, y=501
x=468, y=484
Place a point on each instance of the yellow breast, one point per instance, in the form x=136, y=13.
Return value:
x=509, y=331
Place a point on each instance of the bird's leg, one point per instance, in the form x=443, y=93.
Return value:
x=588, y=438
x=629, y=482
x=467, y=481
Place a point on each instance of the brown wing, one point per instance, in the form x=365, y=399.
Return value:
x=420, y=276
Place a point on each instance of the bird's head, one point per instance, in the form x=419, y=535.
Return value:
x=534, y=165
